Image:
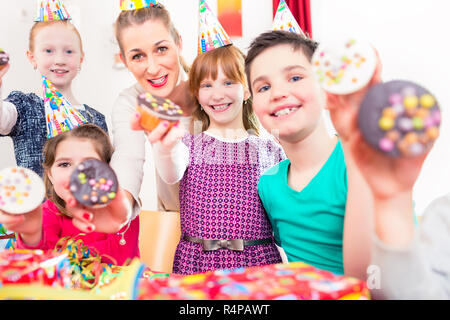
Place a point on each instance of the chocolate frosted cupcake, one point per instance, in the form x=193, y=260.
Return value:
x=400, y=118
x=4, y=59
x=21, y=190
x=155, y=109
x=93, y=183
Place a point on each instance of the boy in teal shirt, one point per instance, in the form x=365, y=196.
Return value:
x=317, y=201
x=308, y=224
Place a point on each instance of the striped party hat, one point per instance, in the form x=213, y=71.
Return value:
x=211, y=33
x=128, y=5
x=284, y=20
x=51, y=10
x=59, y=113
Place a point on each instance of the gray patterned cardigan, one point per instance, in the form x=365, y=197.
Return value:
x=29, y=134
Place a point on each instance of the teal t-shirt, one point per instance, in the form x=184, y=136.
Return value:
x=309, y=225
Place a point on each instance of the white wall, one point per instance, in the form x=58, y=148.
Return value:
x=411, y=36
x=412, y=39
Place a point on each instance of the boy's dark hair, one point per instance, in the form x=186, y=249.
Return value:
x=271, y=39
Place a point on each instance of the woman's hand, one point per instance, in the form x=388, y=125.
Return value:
x=108, y=219
x=28, y=225
x=166, y=134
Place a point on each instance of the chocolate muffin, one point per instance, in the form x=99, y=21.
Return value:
x=4, y=59
x=93, y=183
x=155, y=109
x=400, y=118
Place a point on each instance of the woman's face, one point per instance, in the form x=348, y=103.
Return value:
x=69, y=153
x=152, y=56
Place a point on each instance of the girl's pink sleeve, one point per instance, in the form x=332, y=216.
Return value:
x=51, y=229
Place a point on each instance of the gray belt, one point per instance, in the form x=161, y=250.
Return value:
x=233, y=244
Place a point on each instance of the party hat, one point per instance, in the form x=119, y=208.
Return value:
x=127, y=5
x=51, y=10
x=59, y=114
x=284, y=20
x=211, y=33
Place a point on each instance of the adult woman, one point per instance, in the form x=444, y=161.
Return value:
x=150, y=47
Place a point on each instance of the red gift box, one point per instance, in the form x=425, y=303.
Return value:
x=34, y=267
x=292, y=281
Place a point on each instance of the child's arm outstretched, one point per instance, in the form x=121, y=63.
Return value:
x=8, y=112
x=358, y=224
x=170, y=154
x=411, y=263
x=109, y=219
x=28, y=226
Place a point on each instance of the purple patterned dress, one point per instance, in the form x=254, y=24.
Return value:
x=219, y=200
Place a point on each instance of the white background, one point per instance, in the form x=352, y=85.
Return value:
x=411, y=36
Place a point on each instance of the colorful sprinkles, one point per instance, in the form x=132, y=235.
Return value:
x=93, y=183
x=408, y=118
x=344, y=67
x=21, y=190
x=161, y=105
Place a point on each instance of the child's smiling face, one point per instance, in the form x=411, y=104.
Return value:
x=57, y=54
x=69, y=153
x=286, y=96
x=222, y=100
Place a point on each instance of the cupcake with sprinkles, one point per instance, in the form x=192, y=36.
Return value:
x=21, y=190
x=344, y=67
x=4, y=59
x=93, y=183
x=154, y=109
x=400, y=118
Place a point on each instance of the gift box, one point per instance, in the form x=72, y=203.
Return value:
x=34, y=267
x=121, y=287
x=291, y=281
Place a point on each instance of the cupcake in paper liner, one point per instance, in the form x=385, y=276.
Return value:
x=155, y=109
x=4, y=59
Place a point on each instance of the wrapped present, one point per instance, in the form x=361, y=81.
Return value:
x=122, y=287
x=34, y=267
x=292, y=281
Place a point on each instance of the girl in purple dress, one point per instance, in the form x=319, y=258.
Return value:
x=223, y=223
